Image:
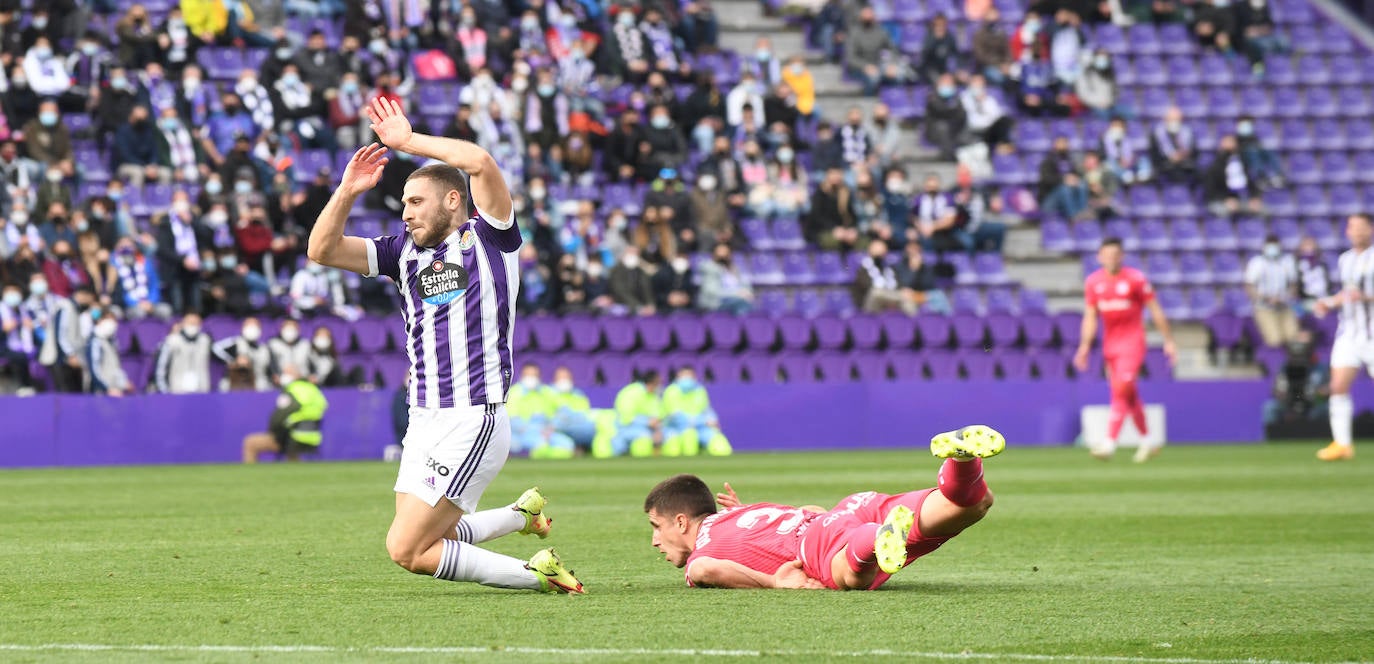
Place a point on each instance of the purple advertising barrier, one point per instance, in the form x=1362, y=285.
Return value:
x=78, y=430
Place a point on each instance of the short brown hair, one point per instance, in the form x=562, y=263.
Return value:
x=448, y=178
x=681, y=494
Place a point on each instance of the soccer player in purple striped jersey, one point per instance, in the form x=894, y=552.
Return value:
x=458, y=278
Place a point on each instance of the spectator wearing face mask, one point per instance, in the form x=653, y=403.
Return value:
x=987, y=119
x=1260, y=161
x=1259, y=36
x=546, y=112
x=64, y=272
x=346, y=111
x=867, y=46
x=47, y=74
x=247, y=358
x=1272, y=281
x=231, y=286
x=946, y=118
x=690, y=424
x=17, y=344
x=137, y=37
x=138, y=287
x=180, y=242
x=876, y=287
x=47, y=140
x=711, y=212
x=314, y=292
x=1120, y=156
x=724, y=287
x=106, y=375
x=89, y=66
x=41, y=305
x=139, y=151
x=745, y=93
x=1174, y=148
x=531, y=413
x=288, y=349
x=1228, y=184
x=227, y=126
x=630, y=286
x=182, y=157
x=938, y=52
x=992, y=48
x=183, y=360
x=53, y=191
x=1097, y=88
x=64, y=340
x=300, y=110
x=674, y=286
x=1214, y=23
x=1067, y=42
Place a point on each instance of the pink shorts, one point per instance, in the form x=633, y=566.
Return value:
x=828, y=533
x=1123, y=366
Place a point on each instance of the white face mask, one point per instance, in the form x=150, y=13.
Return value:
x=563, y=385
x=322, y=343
x=290, y=334
x=707, y=182
x=106, y=328
x=252, y=333
x=529, y=382
x=190, y=330
x=631, y=261
x=13, y=299
x=681, y=264
x=1272, y=250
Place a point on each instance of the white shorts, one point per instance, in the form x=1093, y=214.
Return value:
x=453, y=453
x=1350, y=353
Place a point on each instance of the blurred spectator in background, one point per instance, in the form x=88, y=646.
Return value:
x=106, y=375
x=48, y=141
x=94, y=261
x=946, y=119
x=885, y=135
x=853, y=138
x=295, y=425
x=1272, y=282
x=916, y=279
x=690, y=424
x=629, y=285
x=183, y=360
x=992, y=49
x=138, y=37
x=934, y=212
x=653, y=238
x=867, y=52
x=1101, y=186
x=175, y=42
x=64, y=339
x=1314, y=282
x=46, y=71
x=1060, y=188
x=674, y=286
x=572, y=411
x=939, y=52
x=1041, y=93
x=531, y=413
x=325, y=368
x=1260, y=162
x=710, y=212
x=638, y=420
x=180, y=242
x=1097, y=88
x=139, y=288
x=1067, y=44
x=1120, y=156
x=831, y=223
x=320, y=67
x=1258, y=34
x=229, y=286
x=828, y=28
x=139, y=152
x=764, y=66
x=1173, y=148
x=802, y=83
x=17, y=345
x=288, y=349
x=986, y=118
x=875, y=287
x=980, y=216
x=1214, y=23
x=53, y=190
x=182, y=157
x=247, y=357
x=724, y=287
x=315, y=292
x=1228, y=184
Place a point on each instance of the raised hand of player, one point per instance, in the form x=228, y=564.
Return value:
x=791, y=575
x=364, y=170
x=389, y=122
x=728, y=499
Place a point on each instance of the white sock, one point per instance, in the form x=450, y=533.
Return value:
x=1342, y=416
x=466, y=562
x=486, y=525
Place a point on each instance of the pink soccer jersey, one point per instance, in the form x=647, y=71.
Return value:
x=1121, y=300
x=761, y=536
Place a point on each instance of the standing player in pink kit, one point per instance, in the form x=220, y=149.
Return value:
x=858, y=545
x=1121, y=294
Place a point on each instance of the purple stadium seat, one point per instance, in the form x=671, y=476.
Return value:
x=969, y=330
x=1288, y=230
x=1069, y=326
x=1281, y=72
x=1157, y=366
x=1336, y=40
x=810, y=303
x=1183, y=70
x=549, y=333
x=1051, y=365
x=1302, y=168
x=1227, y=268
x=1321, y=102
x=829, y=269
x=1337, y=169
x=585, y=333
x=978, y=365
x=966, y=301
x=1345, y=200
x=1002, y=301
x=1173, y=303
x=866, y=330
x=990, y=268
x=1145, y=201
x=615, y=372
x=1055, y=235
x=1226, y=330
x=1289, y=103
x=831, y=333
x=340, y=329
x=1219, y=234
x=1110, y=37
x=962, y=266
x=1256, y=102
x=221, y=327
x=1004, y=330
x=148, y=333
x=1282, y=201
x=222, y=64
x=935, y=331
x=1144, y=39
x=941, y=365
x=787, y=234
x=760, y=333
x=1194, y=268
x=1187, y=235
x=1087, y=235
x=1033, y=135
x=906, y=365
x=1014, y=365
x=1364, y=167
x=392, y=367
x=656, y=334
x=757, y=233
x=727, y=332
x=766, y=269
x=832, y=367
x=1162, y=270
x=794, y=330
x=1038, y=329
x=1123, y=229
x=760, y=368
x=1250, y=233
x=620, y=333
x=774, y=303
x=870, y=366
x=722, y=368
x=1221, y=102
x=1154, y=235
x=1323, y=232
x=839, y=302
x=900, y=331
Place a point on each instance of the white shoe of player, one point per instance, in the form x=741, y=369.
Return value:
x=1103, y=450
x=1146, y=452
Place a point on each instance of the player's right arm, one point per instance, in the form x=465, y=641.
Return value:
x=1086, y=333
x=490, y=195
x=328, y=245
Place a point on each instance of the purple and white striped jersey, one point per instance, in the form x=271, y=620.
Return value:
x=459, y=309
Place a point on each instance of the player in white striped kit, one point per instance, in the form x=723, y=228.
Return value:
x=1354, y=345
x=458, y=277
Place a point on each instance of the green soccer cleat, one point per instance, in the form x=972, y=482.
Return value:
x=976, y=441
x=531, y=504
x=889, y=545
x=553, y=576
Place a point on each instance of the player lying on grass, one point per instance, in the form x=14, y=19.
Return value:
x=858, y=545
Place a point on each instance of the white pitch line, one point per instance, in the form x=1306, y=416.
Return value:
x=671, y=652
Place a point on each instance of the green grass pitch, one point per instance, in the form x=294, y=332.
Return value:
x=1207, y=554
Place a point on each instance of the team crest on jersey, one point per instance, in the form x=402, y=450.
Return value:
x=441, y=283
x=467, y=240
x=1122, y=288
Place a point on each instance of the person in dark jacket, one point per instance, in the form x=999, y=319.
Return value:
x=140, y=150
x=946, y=119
